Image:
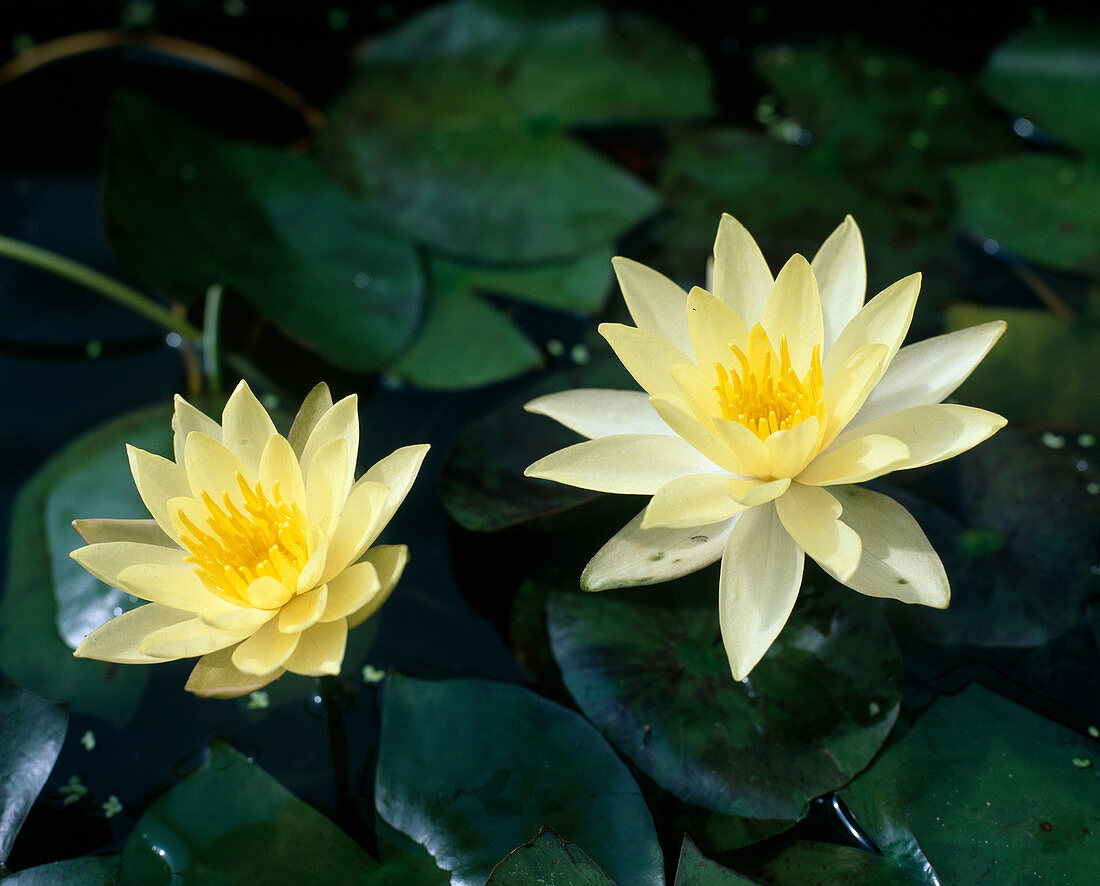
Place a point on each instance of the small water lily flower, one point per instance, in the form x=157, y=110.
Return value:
x=766, y=400
x=258, y=555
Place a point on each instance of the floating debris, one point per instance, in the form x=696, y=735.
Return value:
x=1082, y=762
x=1053, y=441
x=112, y=807
x=258, y=700
x=372, y=674
x=73, y=791
x=88, y=740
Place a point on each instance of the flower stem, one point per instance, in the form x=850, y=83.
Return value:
x=330, y=689
x=211, y=339
x=97, y=282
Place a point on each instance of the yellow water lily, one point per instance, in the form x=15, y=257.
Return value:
x=258, y=555
x=765, y=401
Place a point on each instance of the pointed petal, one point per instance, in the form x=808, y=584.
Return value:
x=107, y=559
x=689, y=501
x=359, y=524
x=186, y=639
x=266, y=650
x=863, y=458
x=185, y=419
x=341, y=422
x=850, y=386
x=599, y=412
x=656, y=304
x=924, y=373
x=741, y=276
x=646, y=356
x=241, y=620
x=120, y=639
x=158, y=480
x=883, y=320
x=759, y=582
x=636, y=556
x=898, y=561
x=704, y=439
x=303, y=610
x=841, y=271
x=624, y=463
x=932, y=433
x=389, y=562
x=351, y=590
x=791, y=449
x=320, y=650
x=793, y=309
x=246, y=427
x=714, y=327
x=176, y=586
x=212, y=468
x=397, y=471
x=812, y=517
x=146, y=532
x=325, y=489
x=316, y=404
x=311, y=573
x=746, y=448
x=215, y=676
x=278, y=467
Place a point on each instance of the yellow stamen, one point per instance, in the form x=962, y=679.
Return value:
x=259, y=535
x=763, y=400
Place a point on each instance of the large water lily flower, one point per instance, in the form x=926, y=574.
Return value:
x=765, y=402
x=258, y=555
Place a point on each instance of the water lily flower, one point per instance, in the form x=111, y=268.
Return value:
x=766, y=400
x=258, y=555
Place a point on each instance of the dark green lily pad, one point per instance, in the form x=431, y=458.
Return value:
x=1062, y=224
x=809, y=863
x=1019, y=564
x=32, y=651
x=548, y=859
x=184, y=209
x=694, y=869
x=1042, y=370
x=31, y=733
x=1047, y=74
x=647, y=666
x=465, y=62
x=496, y=763
x=98, y=870
x=231, y=822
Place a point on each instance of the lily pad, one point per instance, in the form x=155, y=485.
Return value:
x=648, y=667
x=1062, y=225
x=548, y=859
x=694, y=869
x=809, y=863
x=97, y=870
x=497, y=764
x=31, y=733
x=1047, y=75
x=184, y=208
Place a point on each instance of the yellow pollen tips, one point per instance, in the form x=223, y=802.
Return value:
x=763, y=392
x=255, y=536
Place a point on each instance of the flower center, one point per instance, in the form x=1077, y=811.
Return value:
x=261, y=536
x=764, y=393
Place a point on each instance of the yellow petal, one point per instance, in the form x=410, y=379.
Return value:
x=158, y=480
x=173, y=585
x=397, y=471
x=714, y=327
x=636, y=556
x=718, y=444
x=599, y=412
x=215, y=676
x=241, y=620
x=107, y=559
x=693, y=500
x=359, y=523
x=120, y=639
x=303, y=610
x=316, y=404
x=791, y=449
x=246, y=427
x=389, y=562
x=883, y=320
x=812, y=517
x=212, y=468
x=841, y=272
x=759, y=582
x=646, y=356
x=793, y=309
x=353, y=589
x=898, y=562
x=925, y=373
x=266, y=650
x=311, y=573
x=624, y=463
x=146, y=532
x=185, y=419
x=932, y=433
x=850, y=386
x=326, y=491
x=756, y=492
x=741, y=276
x=278, y=465
x=341, y=422
x=655, y=303
x=186, y=639
x=748, y=450
x=320, y=650
x=863, y=458
x=266, y=592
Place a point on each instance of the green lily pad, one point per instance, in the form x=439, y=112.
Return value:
x=465, y=62
x=497, y=764
x=548, y=859
x=1061, y=228
x=694, y=869
x=31, y=733
x=647, y=666
x=1019, y=564
x=184, y=208
x=809, y=863
x=231, y=822
x=1047, y=74
x=97, y=870
x=1040, y=372
x=37, y=626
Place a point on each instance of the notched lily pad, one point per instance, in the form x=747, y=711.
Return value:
x=694, y=869
x=548, y=859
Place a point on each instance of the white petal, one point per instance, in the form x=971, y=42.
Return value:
x=397, y=471
x=741, y=276
x=341, y=422
x=624, y=463
x=646, y=356
x=636, y=556
x=213, y=468
x=246, y=427
x=158, y=480
x=719, y=445
x=599, y=412
x=185, y=419
x=793, y=309
x=278, y=467
x=863, y=458
x=898, y=561
x=690, y=501
x=316, y=404
x=812, y=517
x=714, y=327
x=656, y=303
x=760, y=579
x=841, y=271
x=883, y=320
